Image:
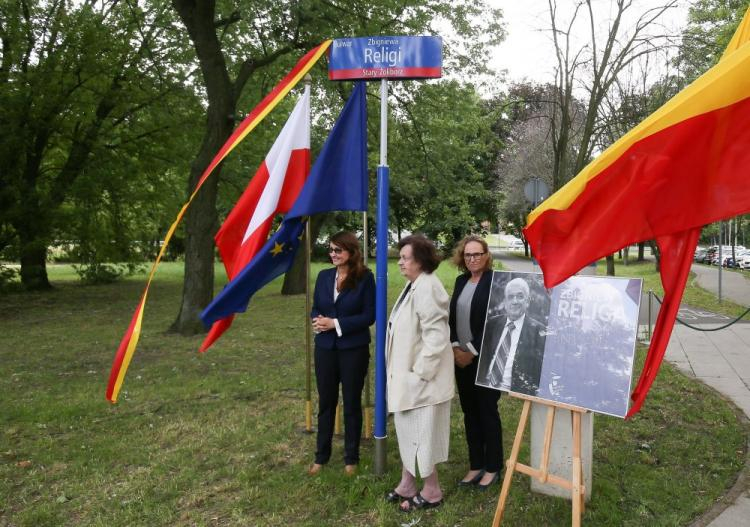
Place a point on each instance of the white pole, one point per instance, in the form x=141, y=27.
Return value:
x=384, y=122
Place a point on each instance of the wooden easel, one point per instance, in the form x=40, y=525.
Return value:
x=575, y=485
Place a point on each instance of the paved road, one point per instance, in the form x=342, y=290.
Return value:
x=735, y=285
x=720, y=359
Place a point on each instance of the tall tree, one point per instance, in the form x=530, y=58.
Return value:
x=238, y=43
x=74, y=75
x=527, y=126
x=711, y=24
x=594, y=68
x=443, y=154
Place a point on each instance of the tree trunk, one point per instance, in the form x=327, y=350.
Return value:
x=626, y=256
x=31, y=224
x=33, y=260
x=641, y=251
x=611, y=265
x=200, y=227
x=294, y=279
x=655, y=252
x=201, y=220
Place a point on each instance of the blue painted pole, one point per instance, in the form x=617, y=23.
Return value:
x=381, y=292
x=381, y=303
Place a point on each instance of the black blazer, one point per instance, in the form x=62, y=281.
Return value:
x=527, y=365
x=354, y=309
x=478, y=307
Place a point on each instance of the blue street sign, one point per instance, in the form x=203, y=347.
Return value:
x=385, y=58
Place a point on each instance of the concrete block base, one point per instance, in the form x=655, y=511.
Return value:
x=561, y=452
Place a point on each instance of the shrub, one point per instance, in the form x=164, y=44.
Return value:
x=104, y=273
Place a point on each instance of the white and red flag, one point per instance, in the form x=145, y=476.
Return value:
x=272, y=190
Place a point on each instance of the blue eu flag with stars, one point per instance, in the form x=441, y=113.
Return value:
x=337, y=181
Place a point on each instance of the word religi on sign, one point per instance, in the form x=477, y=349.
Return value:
x=385, y=58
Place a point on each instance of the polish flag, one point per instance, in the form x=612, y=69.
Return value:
x=273, y=190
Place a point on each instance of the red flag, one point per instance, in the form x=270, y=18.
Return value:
x=683, y=167
x=272, y=190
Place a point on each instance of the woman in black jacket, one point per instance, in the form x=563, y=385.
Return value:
x=468, y=310
x=343, y=311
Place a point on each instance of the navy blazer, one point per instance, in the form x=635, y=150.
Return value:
x=478, y=311
x=354, y=309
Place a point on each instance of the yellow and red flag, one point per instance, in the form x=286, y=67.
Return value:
x=130, y=339
x=685, y=166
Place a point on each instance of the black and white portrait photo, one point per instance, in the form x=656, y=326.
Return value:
x=573, y=344
x=515, y=333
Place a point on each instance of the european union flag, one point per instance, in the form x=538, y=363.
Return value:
x=337, y=181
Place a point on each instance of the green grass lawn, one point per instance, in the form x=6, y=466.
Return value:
x=216, y=439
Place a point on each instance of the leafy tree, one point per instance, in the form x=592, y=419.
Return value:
x=75, y=81
x=711, y=24
x=241, y=45
x=442, y=158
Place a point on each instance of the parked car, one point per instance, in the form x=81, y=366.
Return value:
x=516, y=245
x=700, y=255
x=740, y=257
x=712, y=254
x=726, y=257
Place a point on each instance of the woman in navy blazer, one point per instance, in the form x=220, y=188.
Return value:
x=468, y=310
x=343, y=311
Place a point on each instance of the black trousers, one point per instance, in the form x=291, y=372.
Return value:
x=484, y=434
x=346, y=367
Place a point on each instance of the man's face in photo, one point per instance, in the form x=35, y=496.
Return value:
x=516, y=299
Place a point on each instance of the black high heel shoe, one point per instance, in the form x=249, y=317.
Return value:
x=473, y=481
x=494, y=480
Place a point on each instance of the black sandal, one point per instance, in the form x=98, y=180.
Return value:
x=393, y=497
x=418, y=502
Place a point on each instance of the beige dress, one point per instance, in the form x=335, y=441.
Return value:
x=420, y=374
x=423, y=436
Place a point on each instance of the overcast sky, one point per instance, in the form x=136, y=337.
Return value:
x=528, y=52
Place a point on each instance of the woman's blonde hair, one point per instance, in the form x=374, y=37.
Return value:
x=458, y=253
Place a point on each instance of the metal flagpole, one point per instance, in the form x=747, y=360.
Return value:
x=371, y=58
x=308, y=334
x=381, y=297
x=308, y=308
x=368, y=396
x=721, y=255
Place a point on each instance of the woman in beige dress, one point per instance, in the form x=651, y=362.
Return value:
x=420, y=375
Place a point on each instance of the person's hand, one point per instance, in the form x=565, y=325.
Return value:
x=321, y=323
x=462, y=358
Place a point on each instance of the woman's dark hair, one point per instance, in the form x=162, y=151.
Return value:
x=458, y=253
x=422, y=250
x=348, y=241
